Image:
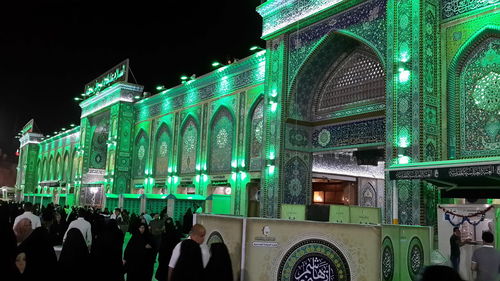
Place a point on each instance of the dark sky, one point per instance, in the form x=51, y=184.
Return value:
x=50, y=49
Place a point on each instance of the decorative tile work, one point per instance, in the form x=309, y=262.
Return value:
x=163, y=148
x=257, y=137
x=350, y=134
x=296, y=181
x=478, y=107
x=452, y=8
x=221, y=142
x=140, y=156
x=366, y=20
x=98, y=152
x=189, y=146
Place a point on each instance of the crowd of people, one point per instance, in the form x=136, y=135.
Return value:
x=91, y=245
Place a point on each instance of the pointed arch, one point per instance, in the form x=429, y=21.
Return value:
x=221, y=138
x=65, y=166
x=59, y=167
x=338, y=49
x=163, y=148
x=188, y=145
x=255, y=133
x=51, y=171
x=472, y=76
x=74, y=165
x=140, y=155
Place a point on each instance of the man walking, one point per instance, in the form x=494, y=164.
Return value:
x=196, y=234
x=486, y=260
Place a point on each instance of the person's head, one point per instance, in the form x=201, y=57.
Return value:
x=23, y=229
x=21, y=261
x=81, y=212
x=441, y=273
x=28, y=207
x=117, y=211
x=456, y=231
x=156, y=216
x=198, y=233
x=57, y=217
x=488, y=237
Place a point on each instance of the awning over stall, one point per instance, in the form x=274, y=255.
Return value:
x=458, y=177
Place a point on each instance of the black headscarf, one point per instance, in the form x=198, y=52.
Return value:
x=74, y=256
x=219, y=266
x=107, y=252
x=189, y=266
x=40, y=255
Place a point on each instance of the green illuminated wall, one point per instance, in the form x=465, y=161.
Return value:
x=260, y=119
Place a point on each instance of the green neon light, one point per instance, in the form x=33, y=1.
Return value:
x=404, y=75
x=274, y=106
x=184, y=77
x=402, y=159
x=403, y=142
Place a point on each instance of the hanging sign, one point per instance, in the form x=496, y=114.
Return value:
x=115, y=74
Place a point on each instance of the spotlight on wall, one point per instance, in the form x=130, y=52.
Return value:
x=77, y=98
x=217, y=64
x=255, y=48
x=160, y=87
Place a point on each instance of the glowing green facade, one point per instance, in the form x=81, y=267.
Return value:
x=417, y=78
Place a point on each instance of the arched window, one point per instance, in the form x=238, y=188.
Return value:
x=257, y=136
x=221, y=142
x=189, y=145
x=74, y=167
x=58, y=167
x=475, y=104
x=141, y=149
x=65, y=169
x=163, y=148
x=52, y=168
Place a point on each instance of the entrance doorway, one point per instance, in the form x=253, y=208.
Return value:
x=253, y=188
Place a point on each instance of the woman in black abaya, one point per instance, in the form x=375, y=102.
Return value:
x=74, y=261
x=107, y=253
x=169, y=239
x=219, y=266
x=40, y=256
x=139, y=255
x=189, y=266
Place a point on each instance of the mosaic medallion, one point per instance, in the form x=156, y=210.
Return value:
x=314, y=259
x=415, y=258
x=324, y=137
x=214, y=237
x=387, y=259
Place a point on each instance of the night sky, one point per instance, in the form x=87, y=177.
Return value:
x=50, y=49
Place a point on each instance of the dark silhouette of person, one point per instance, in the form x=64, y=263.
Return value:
x=74, y=261
x=189, y=266
x=107, y=253
x=40, y=255
x=440, y=273
x=169, y=239
x=140, y=255
x=219, y=267
x=187, y=221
